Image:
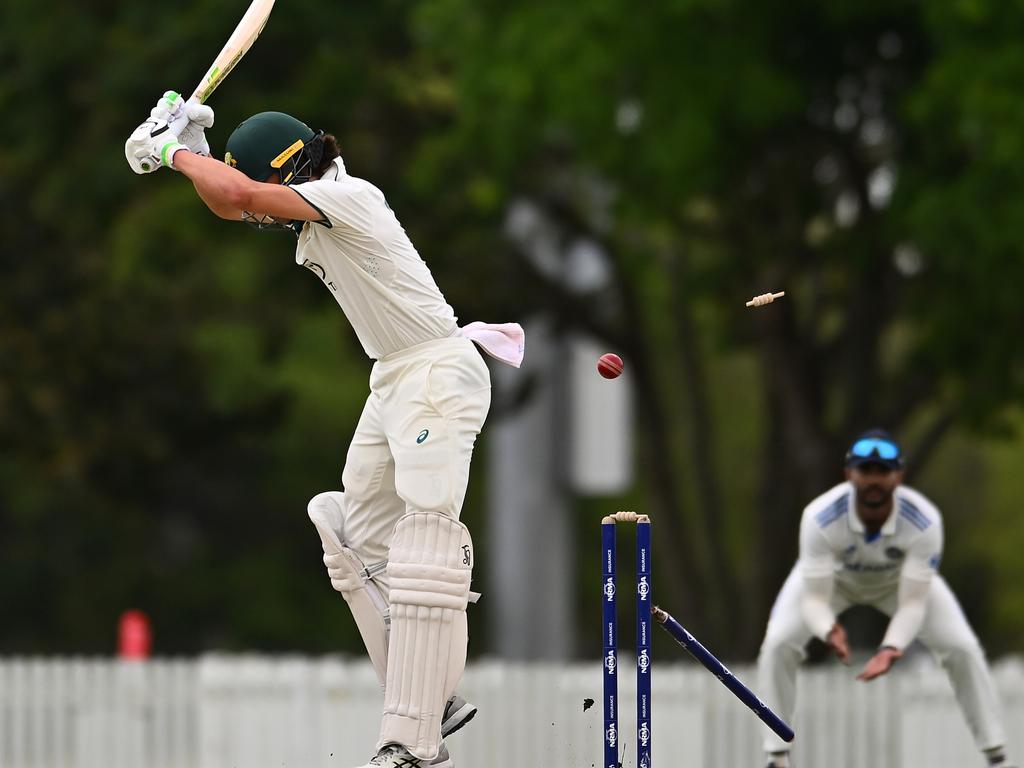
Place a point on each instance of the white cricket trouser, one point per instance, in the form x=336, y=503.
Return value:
x=412, y=447
x=945, y=632
x=409, y=463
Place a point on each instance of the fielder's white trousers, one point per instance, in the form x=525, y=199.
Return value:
x=413, y=445
x=945, y=633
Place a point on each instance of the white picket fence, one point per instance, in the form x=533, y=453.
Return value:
x=292, y=712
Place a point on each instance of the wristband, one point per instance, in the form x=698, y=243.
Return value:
x=168, y=150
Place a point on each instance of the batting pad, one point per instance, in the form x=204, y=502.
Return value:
x=430, y=565
x=350, y=577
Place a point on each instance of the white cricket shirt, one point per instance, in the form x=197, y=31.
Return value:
x=366, y=260
x=833, y=541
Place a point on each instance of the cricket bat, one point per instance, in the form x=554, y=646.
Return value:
x=235, y=48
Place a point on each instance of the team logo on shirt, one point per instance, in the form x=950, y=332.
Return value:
x=894, y=553
x=422, y=437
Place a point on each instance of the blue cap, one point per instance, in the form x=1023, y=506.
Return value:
x=876, y=446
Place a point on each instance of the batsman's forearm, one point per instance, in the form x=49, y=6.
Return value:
x=223, y=188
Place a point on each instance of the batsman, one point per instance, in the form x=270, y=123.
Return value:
x=393, y=542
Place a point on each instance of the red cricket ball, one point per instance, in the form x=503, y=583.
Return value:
x=609, y=365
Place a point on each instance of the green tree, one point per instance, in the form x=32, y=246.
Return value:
x=865, y=157
x=173, y=388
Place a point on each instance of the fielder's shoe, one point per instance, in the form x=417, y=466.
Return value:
x=997, y=757
x=457, y=712
x=397, y=756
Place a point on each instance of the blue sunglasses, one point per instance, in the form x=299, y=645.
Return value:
x=874, y=446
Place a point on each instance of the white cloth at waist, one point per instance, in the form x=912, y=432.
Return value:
x=502, y=341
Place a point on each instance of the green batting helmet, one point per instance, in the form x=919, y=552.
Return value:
x=273, y=142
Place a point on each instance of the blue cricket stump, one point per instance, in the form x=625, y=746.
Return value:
x=719, y=670
x=643, y=639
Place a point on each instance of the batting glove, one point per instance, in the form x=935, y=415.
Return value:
x=167, y=106
x=151, y=146
x=188, y=120
x=198, y=117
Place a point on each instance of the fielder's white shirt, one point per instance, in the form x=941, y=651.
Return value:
x=366, y=260
x=833, y=541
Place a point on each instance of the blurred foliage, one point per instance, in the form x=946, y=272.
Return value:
x=173, y=389
x=844, y=152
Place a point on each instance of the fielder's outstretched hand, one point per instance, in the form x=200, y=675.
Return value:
x=151, y=146
x=836, y=641
x=880, y=663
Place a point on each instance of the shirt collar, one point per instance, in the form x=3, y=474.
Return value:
x=888, y=527
x=335, y=171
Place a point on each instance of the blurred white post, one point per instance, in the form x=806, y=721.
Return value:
x=601, y=418
x=530, y=548
x=554, y=443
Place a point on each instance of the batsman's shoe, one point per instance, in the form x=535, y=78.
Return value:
x=443, y=759
x=396, y=756
x=457, y=712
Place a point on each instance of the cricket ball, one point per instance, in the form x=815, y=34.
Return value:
x=609, y=365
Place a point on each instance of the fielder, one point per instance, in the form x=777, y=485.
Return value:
x=872, y=541
x=392, y=541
